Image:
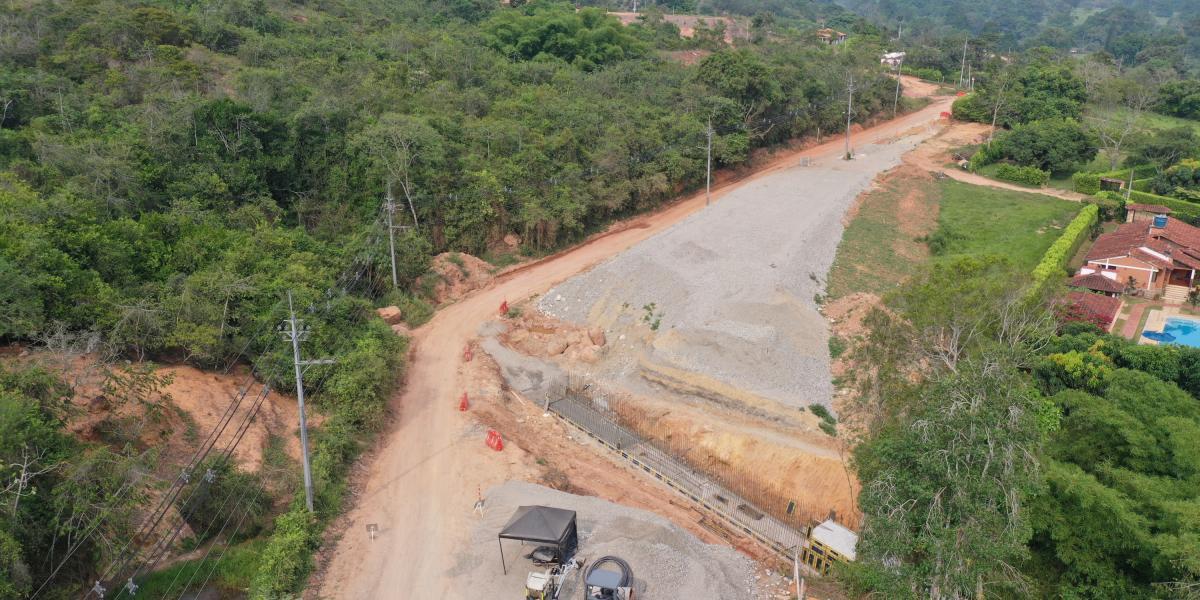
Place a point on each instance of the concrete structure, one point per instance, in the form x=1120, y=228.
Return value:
x=893, y=59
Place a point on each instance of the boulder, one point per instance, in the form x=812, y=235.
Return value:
x=98, y=404
x=597, y=336
x=390, y=315
x=555, y=347
x=589, y=354
x=400, y=329
x=512, y=240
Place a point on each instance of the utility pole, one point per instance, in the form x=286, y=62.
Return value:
x=390, y=206
x=896, y=100
x=849, y=108
x=708, y=170
x=297, y=332
x=962, y=71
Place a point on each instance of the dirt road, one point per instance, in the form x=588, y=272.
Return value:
x=423, y=483
x=935, y=153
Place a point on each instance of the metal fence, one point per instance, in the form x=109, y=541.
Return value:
x=726, y=491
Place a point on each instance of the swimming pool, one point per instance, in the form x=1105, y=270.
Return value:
x=1178, y=330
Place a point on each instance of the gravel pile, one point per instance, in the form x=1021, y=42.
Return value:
x=668, y=563
x=735, y=284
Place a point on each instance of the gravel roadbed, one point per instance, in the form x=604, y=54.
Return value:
x=734, y=285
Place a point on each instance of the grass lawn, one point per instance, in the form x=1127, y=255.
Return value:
x=233, y=572
x=976, y=220
x=880, y=247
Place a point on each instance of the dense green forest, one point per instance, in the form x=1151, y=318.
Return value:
x=1135, y=32
x=1023, y=457
x=170, y=170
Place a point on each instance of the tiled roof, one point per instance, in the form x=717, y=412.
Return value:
x=1096, y=304
x=1154, y=208
x=1096, y=281
x=1177, y=240
x=1119, y=242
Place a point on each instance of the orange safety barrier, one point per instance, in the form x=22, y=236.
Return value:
x=504, y=308
x=945, y=115
x=462, y=403
x=494, y=441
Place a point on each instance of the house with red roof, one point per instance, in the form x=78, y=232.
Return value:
x=1151, y=254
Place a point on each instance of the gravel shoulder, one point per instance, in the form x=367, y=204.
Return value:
x=734, y=287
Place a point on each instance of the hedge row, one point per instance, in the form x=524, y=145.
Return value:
x=355, y=396
x=1179, y=208
x=926, y=73
x=1024, y=175
x=1139, y=172
x=1055, y=259
x=1086, y=183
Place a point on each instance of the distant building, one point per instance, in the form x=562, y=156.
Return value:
x=893, y=59
x=831, y=36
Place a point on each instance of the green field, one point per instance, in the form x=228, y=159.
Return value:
x=975, y=220
x=876, y=255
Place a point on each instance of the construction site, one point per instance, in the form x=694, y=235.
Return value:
x=657, y=380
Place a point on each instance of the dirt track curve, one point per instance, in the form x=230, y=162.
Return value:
x=423, y=481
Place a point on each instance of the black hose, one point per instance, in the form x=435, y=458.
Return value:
x=626, y=571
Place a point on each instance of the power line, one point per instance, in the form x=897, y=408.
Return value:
x=296, y=332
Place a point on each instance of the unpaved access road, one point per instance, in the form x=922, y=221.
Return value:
x=423, y=481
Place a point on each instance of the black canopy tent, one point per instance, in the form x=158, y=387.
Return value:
x=543, y=525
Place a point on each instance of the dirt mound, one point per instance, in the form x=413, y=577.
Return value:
x=459, y=274
x=536, y=334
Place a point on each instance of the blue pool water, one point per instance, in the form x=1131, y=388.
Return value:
x=1185, y=331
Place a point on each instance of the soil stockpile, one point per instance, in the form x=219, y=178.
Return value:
x=732, y=288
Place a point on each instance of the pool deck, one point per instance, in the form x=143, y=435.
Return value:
x=1157, y=321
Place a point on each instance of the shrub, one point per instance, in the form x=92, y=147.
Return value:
x=1024, y=175
x=837, y=346
x=821, y=411
x=985, y=155
x=828, y=428
x=1054, y=145
x=285, y=562
x=1112, y=206
x=972, y=107
x=926, y=73
x=940, y=240
x=1086, y=183
x=203, y=506
x=1055, y=259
